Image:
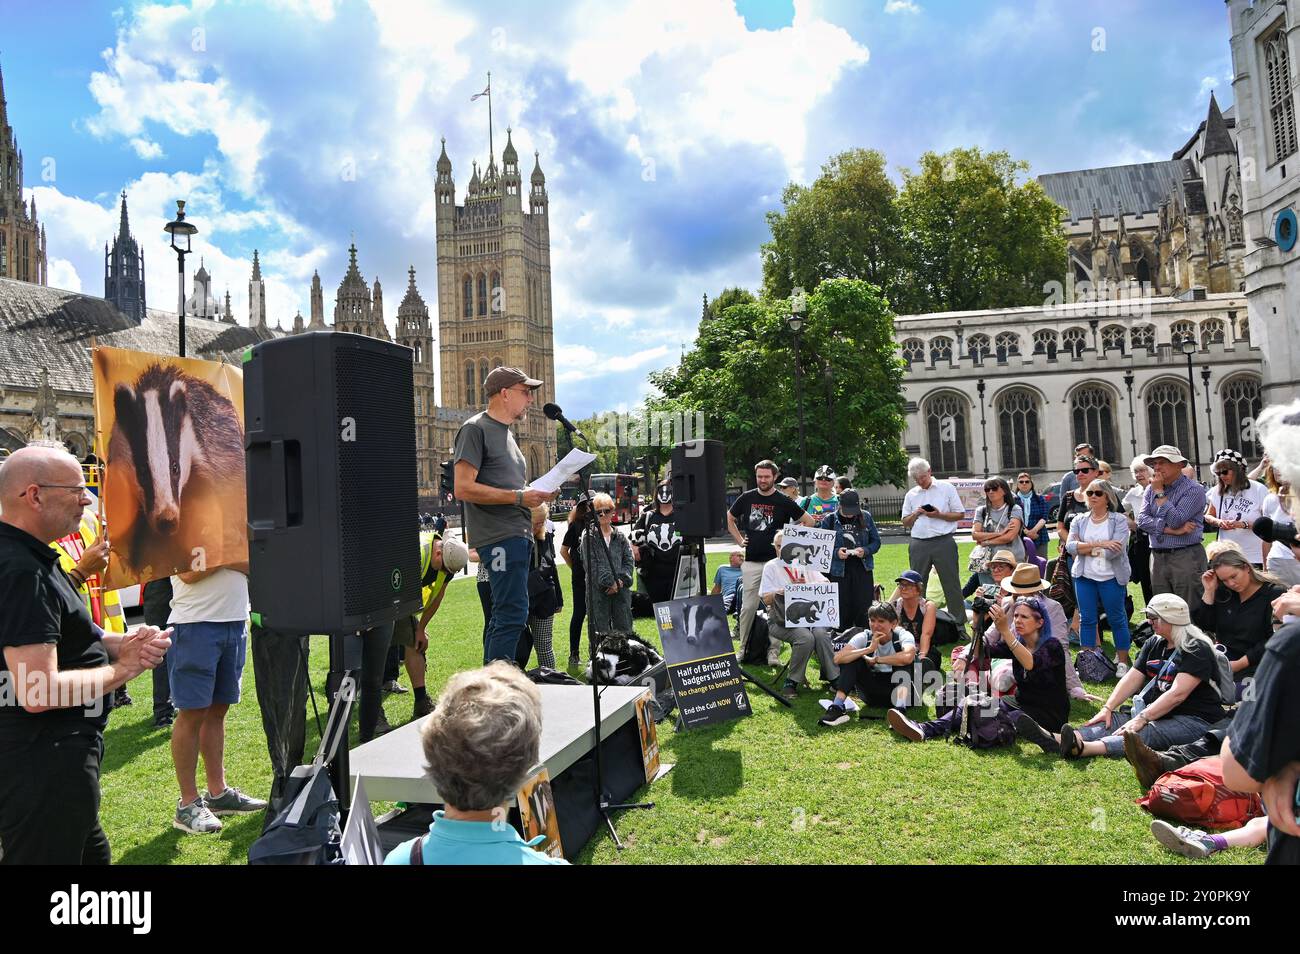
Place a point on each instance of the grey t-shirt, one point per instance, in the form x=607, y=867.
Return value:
x=489, y=446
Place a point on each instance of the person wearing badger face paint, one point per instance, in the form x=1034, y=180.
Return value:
x=57, y=669
x=657, y=546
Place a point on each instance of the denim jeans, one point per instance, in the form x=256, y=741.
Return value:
x=1162, y=734
x=507, y=562
x=1111, y=595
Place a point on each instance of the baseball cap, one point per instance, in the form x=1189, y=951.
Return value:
x=499, y=379
x=909, y=576
x=788, y=482
x=1170, y=608
x=1167, y=452
x=455, y=556
x=850, y=503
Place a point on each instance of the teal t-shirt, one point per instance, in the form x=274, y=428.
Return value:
x=817, y=506
x=456, y=842
x=728, y=577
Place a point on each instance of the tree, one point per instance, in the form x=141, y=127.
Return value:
x=740, y=375
x=845, y=225
x=975, y=238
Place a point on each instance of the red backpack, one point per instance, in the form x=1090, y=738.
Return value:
x=1195, y=795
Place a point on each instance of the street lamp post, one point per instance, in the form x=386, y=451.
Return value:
x=1188, y=348
x=796, y=321
x=984, y=434
x=174, y=228
x=1132, y=427
x=1209, y=418
x=830, y=416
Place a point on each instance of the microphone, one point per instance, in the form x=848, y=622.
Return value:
x=1266, y=529
x=555, y=414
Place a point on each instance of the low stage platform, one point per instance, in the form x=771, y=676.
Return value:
x=393, y=765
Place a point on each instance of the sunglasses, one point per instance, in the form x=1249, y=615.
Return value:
x=1085, y=470
x=1094, y=493
x=607, y=510
x=1024, y=480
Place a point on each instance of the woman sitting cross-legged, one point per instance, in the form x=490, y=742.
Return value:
x=1037, y=660
x=1171, y=684
x=877, y=662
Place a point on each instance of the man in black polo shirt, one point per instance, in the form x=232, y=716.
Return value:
x=58, y=671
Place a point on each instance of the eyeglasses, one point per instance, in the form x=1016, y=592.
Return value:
x=1094, y=493
x=1024, y=480
x=80, y=488
x=524, y=390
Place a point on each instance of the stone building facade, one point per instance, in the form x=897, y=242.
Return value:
x=494, y=295
x=22, y=236
x=1265, y=44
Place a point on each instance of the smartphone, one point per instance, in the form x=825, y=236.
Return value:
x=928, y=508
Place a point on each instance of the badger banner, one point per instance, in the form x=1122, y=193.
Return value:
x=810, y=546
x=171, y=433
x=702, y=666
x=809, y=605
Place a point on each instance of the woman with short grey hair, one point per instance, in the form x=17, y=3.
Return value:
x=480, y=745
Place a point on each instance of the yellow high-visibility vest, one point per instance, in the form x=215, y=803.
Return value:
x=440, y=582
x=104, y=605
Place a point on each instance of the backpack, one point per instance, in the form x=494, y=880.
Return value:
x=1142, y=633
x=1224, y=683
x=758, y=641
x=1195, y=795
x=983, y=724
x=1093, y=665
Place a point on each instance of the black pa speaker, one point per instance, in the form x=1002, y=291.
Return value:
x=699, y=494
x=329, y=438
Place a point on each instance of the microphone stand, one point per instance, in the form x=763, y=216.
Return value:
x=597, y=641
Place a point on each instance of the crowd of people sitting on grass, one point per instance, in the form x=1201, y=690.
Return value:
x=1208, y=683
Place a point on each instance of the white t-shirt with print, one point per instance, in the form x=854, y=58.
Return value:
x=1247, y=505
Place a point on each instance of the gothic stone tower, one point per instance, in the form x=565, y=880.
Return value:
x=415, y=331
x=124, y=271
x=494, y=295
x=354, y=308
x=22, y=237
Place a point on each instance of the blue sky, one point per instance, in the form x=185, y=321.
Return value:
x=666, y=130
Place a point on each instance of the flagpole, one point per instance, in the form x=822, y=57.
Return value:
x=491, y=149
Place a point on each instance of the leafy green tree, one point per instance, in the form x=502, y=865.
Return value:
x=845, y=225
x=740, y=374
x=975, y=237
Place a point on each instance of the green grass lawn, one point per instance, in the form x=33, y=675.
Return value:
x=771, y=788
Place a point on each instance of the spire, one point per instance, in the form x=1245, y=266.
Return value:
x=228, y=315
x=123, y=228
x=509, y=157
x=4, y=107
x=444, y=164
x=257, y=267
x=474, y=180
x=317, y=302
x=537, y=177
x=412, y=300
x=1218, y=141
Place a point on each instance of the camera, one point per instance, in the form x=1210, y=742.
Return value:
x=988, y=595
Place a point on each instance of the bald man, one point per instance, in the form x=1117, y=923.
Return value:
x=58, y=670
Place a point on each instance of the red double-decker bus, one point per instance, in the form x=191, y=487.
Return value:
x=623, y=489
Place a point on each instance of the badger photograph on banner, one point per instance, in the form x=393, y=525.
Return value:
x=171, y=433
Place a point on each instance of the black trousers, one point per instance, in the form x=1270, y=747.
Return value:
x=49, y=798
x=374, y=657
x=156, y=601
x=857, y=587
x=1207, y=745
x=281, y=680
x=579, y=587
x=877, y=688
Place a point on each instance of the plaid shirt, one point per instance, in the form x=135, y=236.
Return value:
x=1184, y=501
x=1036, y=511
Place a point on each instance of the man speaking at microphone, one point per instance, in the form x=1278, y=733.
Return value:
x=492, y=480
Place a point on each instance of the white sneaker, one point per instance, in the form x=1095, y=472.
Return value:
x=1121, y=671
x=195, y=818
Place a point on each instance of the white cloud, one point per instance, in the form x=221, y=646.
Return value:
x=64, y=275
x=146, y=149
x=901, y=6
x=580, y=363
x=1208, y=84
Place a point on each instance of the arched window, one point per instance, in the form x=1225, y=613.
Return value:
x=1144, y=336
x=978, y=347
x=940, y=349
x=947, y=431
x=914, y=351
x=1166, y=403
x=467, y=297
x=1243, y=327
x=482, y=295
x=1241, y=407
x=1113, y=339
x=1007, y=344
x=1281, y=110
x=498, y=294
x=1074, y=340
x=482, y=377
x=1180, y=330
x=1017, y=411
x=1045, y=343
x=1092, y=416
x=470, y=389
x=1211, y=332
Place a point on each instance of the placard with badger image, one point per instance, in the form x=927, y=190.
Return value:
x=811, y=546
x=172, y=433
x=812, y=605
